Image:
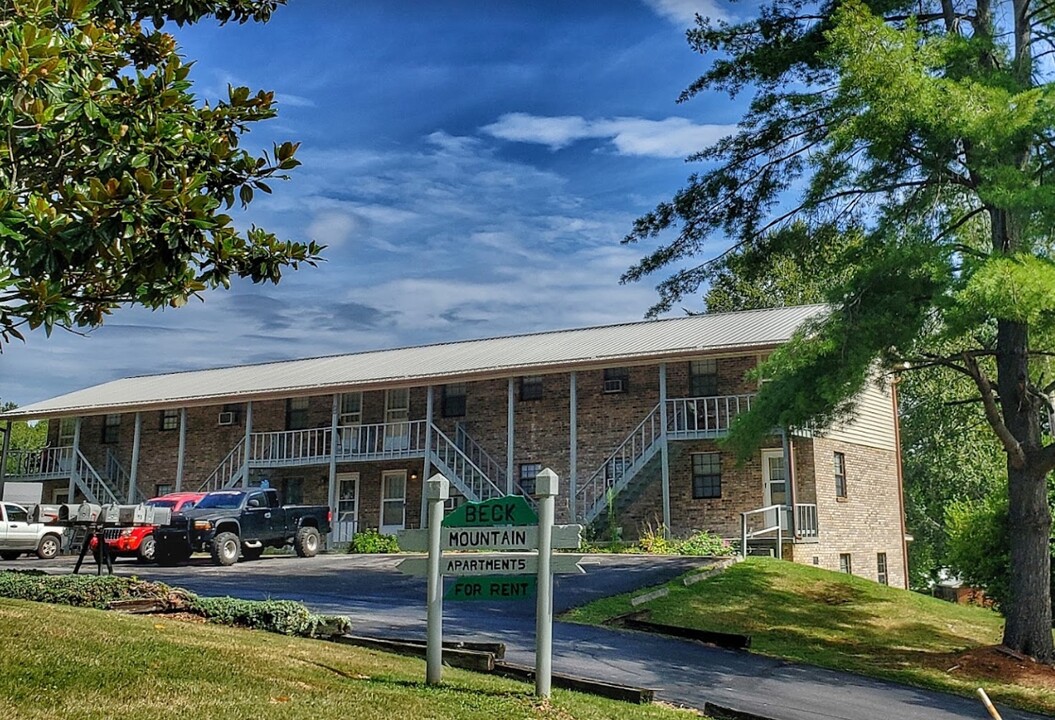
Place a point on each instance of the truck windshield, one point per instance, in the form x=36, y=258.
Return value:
x=221, y=500
x=162, y=503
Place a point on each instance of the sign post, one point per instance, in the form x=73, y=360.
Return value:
x=546, y=490
x=437, y=490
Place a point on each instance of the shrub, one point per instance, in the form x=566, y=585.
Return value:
x=371, y=541
x=704, y=543
x=278, y=616
x=655, y=542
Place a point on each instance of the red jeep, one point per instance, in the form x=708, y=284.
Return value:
x=138, y=542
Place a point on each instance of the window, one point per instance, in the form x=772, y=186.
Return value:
x=111, y=428
x=67, y=431
x=703, y=378
x=706, y=475
x=528, y=471
x=351, y=408
x=169, y=420
x=162, y=489
x=531, y=387
x=297, y=413
x=16, y=514
x=616, y=380
x=840, y=475
x=881, y=574
x=293, y=491
x=844, y=563
x=453, y=400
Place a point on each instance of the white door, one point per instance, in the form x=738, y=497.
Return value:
x=397, y=413
x=774, y=483
x=347, y=506
x=393, y=501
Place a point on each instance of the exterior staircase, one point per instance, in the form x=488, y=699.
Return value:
x=116, y=478
x=458, y=467
x=62, y=463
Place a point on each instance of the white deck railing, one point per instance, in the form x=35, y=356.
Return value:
x=703, y=416
x=776, y=520
x=51, y=463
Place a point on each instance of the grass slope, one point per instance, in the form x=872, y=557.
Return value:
x=82, y=664
x=814, y=616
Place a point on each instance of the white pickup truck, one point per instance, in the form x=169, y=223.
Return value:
x=18, y=535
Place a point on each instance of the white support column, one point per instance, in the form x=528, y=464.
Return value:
x=427, y=464
x=133, y=473
x=331, y=488
x=573, y=447
x=664, y=448
x=182, y=452
x=248, y=442
x=437, y=490
x=789, y=478
x=546, y=490
x=71, y=489
x=510, y=435
x=6, y=449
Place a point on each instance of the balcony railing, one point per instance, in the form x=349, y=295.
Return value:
x=704, y=416
x=381, y=441
x=53, y=463
x=774, y=521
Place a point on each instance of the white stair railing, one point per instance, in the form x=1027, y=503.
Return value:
x=592, y=496
x=492, y=468
x=229, y=472
x=117, y=478
x=456, y=465
x=776, y=519
x=91, y=484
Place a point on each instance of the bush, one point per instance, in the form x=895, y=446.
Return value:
x=704, y=544
x=655, y=541
x=370, y=541
x=278, y=616
x=978, y=548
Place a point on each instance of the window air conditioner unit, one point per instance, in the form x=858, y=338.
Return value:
x=613, y=386
x=225, y=418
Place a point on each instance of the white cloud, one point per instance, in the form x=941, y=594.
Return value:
x=683, y=12
x=673, y=137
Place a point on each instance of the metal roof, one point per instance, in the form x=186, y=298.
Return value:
x=537, y=353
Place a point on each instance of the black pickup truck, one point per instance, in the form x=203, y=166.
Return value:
x=227, y=523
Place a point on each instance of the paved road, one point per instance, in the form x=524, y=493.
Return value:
x=381, y=600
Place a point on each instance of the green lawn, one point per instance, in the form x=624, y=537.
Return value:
x=837, y=621
x=80, y=664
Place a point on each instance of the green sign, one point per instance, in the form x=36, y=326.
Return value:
x=493, y=587
x=508, y=510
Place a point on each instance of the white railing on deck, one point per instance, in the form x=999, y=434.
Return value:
x=286, y=446
x=476, y=485
x=777, y=519
x=51, y=463
x=591, y=497
x=381, y=440
x=692, y=417
x=806, y=521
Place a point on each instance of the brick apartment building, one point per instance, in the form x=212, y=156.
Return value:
x=628, y=415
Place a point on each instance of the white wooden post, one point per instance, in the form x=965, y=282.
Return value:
x=573, y=448
x=182, y=452
x=546, y=490
x=76, y=460
x=510, y=435
x=134, y=472
x=6, y=449
x=248, y=442
x=331, y=487
x=427, y=464
x=664, y=448
x=437, y=490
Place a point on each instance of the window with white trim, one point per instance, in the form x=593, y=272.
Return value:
x=112, y=428
x=703, y=378
x=706, y=475
x=881, y=570
x=845, y=565
x=169, y=419
x=297, y=413
x=526, y=476
x=839, y=462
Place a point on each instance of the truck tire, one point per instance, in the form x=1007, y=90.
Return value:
x=224, y=549
x=252, y=553
x=10, y=554
x=307, y=542
x=49, y=547
x=147, y=550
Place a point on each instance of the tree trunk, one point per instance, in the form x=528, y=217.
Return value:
x=1028, y=627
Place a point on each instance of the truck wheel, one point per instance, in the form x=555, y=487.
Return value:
x=252, y=553
x=306, y=543
x=224, y=549
x=10, y=554
x=49, y=547
x=147, y=550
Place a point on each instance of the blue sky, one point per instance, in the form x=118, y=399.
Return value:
x=472, y=167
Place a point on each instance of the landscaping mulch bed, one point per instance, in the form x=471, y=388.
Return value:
x=995, y=664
